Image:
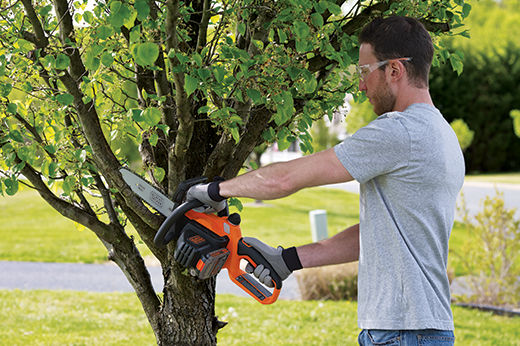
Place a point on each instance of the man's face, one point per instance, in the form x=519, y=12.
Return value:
x=375, y=84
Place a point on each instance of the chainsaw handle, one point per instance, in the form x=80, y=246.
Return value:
x=255, y=258
x=247, y=282
x=170, y=221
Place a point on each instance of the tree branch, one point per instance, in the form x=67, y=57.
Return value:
x=105, y=159
x=41, y=41
x=203, y=27
x=177, y=153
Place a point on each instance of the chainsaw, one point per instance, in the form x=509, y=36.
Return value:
x=205, y=243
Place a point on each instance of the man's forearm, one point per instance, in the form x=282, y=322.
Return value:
x=341, y=248
x=284, y=178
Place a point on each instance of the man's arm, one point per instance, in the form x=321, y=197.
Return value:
x=341, y=248
x=284, y=178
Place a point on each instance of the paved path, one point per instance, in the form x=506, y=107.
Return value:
x=101, y=278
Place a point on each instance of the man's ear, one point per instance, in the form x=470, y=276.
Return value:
x=397, y=70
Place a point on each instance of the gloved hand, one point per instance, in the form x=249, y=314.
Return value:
x=276, y=257
x=207, y=194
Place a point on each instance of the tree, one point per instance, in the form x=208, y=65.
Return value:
x=195, y=85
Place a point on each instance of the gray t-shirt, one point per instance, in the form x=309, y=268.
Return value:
x=410, y=169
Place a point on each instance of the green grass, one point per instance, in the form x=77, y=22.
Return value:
x=507, y=178
x=32, y=231
x=79, y=318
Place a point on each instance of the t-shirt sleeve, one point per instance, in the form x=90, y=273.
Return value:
x=381, y=147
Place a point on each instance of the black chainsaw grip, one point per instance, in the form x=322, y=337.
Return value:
x=159, y=239
x=247, y=250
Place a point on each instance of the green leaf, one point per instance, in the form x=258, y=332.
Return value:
x=81, y=155
x=219, y=73
x=254, y=95
x=51, y=149
x=104, y=31
x=456, y=63
x=190, y=84
x=23, y=45
x=332, y=7
x=241, y=28
x=300, y=29
x=235, y=133
x=68, y=185
x=197, y=58
x=466, y=9
x=142, y=8
x=268, y=135
x=11, y=186
x=107, y=59
x=147, y=53
x=152, y=116
x=317, y=20
x=62, y=62
x=16, y=136
x=88, y=17
x=204, y=109
x=65, y=99
x=136, y=114
x=5, y=89
x=310, y=85
x=283, y=142
x=12, y=108
x=91, y=61
x=159, y=173
x=154, y=138
x=515, y=115
x=235, y=202
x=204, y=73
x=282, y=36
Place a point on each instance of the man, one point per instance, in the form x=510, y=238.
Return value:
x=410, y=169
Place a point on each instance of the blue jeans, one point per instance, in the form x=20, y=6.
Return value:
x=431, y=337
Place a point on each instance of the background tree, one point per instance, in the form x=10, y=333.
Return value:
x=194, y=85
x=488, y=88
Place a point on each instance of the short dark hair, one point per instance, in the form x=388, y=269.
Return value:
x=400, y=37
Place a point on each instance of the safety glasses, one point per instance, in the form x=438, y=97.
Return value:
x=364, y=71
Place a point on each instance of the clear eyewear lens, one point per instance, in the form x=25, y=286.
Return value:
x=364, y=70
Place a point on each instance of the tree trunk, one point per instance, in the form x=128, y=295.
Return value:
x=187, y=315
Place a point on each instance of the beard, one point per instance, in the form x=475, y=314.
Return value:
x=383, y=99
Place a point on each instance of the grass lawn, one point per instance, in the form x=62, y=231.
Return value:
x=79, y=318
x=507, y=178
x=32, y=231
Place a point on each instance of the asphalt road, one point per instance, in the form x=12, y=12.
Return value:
x=101, y=278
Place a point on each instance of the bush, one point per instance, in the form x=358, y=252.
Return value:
x=494, y=259
x=483, y=96
x=335, y=282
x=463, y=132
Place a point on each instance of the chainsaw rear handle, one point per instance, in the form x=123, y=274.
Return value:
x=160, y=237
x=247, y=282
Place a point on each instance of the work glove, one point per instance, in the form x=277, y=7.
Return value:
x=209, y=195
x=283, y=261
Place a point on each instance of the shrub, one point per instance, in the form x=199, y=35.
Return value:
x=494, y=258
x=463, y=132
x=335, y=282
x=483, y=96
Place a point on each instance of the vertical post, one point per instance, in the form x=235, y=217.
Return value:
x=318, y=220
